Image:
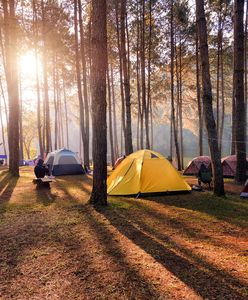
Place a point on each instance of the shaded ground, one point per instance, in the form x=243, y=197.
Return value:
x=54, y=246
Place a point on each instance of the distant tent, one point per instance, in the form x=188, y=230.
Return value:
x=244, y=193
x=64, y=162
x=229, y=165
x=194, y=165
x=145, y=172
x=30, y=162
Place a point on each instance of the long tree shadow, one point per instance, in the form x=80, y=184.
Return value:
x=7, y=186
x=206, y=280
x=141, y=223
x=64, y=184
x=231, y=210
x=177, y=224
x=34, y=233
x=140, y=287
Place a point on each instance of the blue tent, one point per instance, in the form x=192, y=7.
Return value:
x=64, y=162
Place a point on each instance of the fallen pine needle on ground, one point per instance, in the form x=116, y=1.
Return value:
x=55, y=246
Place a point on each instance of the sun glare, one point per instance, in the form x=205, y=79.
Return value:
x=28, y=65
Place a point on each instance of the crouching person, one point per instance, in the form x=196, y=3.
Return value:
x=40, y=172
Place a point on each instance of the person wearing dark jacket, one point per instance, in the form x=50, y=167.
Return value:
x=204, y=175
x=40, y=169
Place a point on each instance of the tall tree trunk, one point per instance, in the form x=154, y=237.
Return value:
x=85, y=92
x=21, y=154
x=66, y=114
x=2, y=129
x=208, y=101
x=199, y=102
x=35, y=36
x=233, y=141
x=218, y=75
x=47, y=124
x=181, y=103
x=245, y=63
x=172, y=88
x=111, y=139
x=78, y=73
x=98, y=77
x=126, y=82
x=139, y=121
x=143, y=79
x=149, y=99
x=5, y=106
x=114, y=114
x=10, y=32
x=55, y=105
x=222, y=90
x=123, y=110
x=239, y=90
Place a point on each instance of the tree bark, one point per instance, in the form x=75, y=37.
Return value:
x=239, y=90
x=181, y=103
x=114, y=114
x=66, y=114
x=222, y=89
x=245, y=62
x=126, y=82
x=139, y=137
x=172, y=88
x=99, y=125
x=5, y=106
x=48, y=146
x=35, y=35
x=85, y=93
x=199, y=102
x=123, y=110
x=111, y=139
x=78, y=73
x=218, y=76
x=2, y=129
x=149, y=98
x=207, y=100
x=10, y=32
x=21, y=154
x=56, y=122
x=143, y=81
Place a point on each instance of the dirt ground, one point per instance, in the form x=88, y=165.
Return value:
x=55, y=246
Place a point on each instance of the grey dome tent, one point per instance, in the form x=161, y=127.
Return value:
x=64, y=162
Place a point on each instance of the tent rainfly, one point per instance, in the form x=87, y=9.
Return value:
x=145, y=172
x=229, y=165
x=194, y=165
x=64, y=162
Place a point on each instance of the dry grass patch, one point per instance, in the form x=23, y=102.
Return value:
x=55, y=246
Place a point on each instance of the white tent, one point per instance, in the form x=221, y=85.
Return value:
x=64, y=162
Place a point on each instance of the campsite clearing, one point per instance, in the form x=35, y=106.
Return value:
x=54, y=246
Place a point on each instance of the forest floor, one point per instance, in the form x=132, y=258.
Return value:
x=55, y=246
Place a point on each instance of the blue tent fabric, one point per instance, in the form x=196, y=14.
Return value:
x=59, y=170
x=64, y=162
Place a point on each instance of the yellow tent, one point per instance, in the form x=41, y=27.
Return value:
x=143, y=172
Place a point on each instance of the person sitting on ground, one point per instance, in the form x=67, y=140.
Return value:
x=40, y=169
x=204, y=175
